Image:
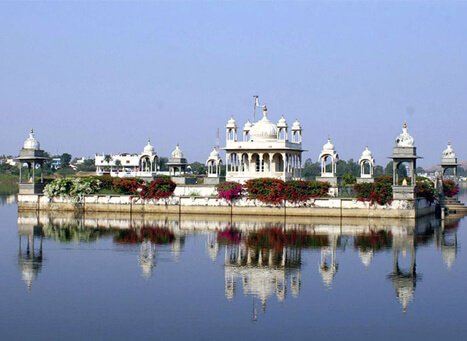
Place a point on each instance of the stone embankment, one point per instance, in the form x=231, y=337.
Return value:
x=322, y=207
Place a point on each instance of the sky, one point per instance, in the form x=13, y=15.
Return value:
x=103, y=77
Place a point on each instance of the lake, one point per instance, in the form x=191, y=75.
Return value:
x=111, y=276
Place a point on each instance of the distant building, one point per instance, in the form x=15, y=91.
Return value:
x=145, y=164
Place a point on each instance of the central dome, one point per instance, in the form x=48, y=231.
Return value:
x=264, y=129
x=31, y=142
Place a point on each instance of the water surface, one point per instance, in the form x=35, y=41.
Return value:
x=113, y=276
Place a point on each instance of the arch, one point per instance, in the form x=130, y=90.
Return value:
x=366, y=168
x=244, y=165
x=278, y=162
x=403, y=176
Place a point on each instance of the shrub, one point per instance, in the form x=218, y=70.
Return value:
x=385, y=179
x=267, y=190
x=275, y=191
x=127, y=185
x=159, y=188
x=348, y=179
x=229, y=190
x=301, y=191
x=72, y=187
x=425, y=188
x=106, y=181
x=377, y=192
x=450, y=188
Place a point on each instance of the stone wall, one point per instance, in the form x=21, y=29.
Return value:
x=322, y=207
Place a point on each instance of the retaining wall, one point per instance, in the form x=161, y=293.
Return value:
x=322, y=207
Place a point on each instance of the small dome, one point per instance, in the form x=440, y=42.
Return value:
x=404, y=139
x=231, y=123
x=282, y=123
x=31, y=142
x=149, y=149
x=247, y=126
x=296, y=125
x=214, y=154
x=449, y=152
x=366, y=154
x=177, y=153
x=264, y=129
x=328, y=146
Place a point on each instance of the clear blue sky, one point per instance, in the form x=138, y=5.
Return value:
x=103, y=77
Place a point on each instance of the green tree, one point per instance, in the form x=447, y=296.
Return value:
x=87, y=166
x=311, y=169
x=198, y=168
x=65, y=160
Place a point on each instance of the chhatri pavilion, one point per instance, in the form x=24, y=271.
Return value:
x=265, y=150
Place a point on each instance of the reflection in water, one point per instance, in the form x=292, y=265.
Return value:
x=264, y=259
x=30, y=254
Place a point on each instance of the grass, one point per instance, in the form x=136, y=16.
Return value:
x=8, y=184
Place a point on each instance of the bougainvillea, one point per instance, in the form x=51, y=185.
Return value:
x=267, y=190
x=229, y=190
x=159, y=188
x=377, y=192
x=450, y=188
x=301, y=191
x=424, y=188
x=128, y=185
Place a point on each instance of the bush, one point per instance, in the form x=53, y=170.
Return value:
x=275, y=191
x=425, y=188
x=127, y=185
x=450, y=188
x=348, y=179
x=385, y=179
x=377, y=192
x=229, y=190
x=106, y=181
x=72, y=187
x=301, y=191
x=267, y=190
x=159, y=188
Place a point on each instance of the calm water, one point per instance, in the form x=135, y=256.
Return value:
x=205, y=278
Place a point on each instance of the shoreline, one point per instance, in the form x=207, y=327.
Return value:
x=189, y=205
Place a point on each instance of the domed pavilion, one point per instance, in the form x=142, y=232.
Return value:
x=264, y=151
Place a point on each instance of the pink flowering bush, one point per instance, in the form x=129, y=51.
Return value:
x=159, y=188
x=230, y=190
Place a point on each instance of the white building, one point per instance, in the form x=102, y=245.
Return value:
x=264, y=151
x=145, y=164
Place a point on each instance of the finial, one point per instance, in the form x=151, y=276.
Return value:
x=265, y=110
x=404, y=125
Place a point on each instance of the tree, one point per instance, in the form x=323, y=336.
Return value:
x=163, y=163
x=198, y=168
x=87, y=166
x=311, y=169
x=65, y=160
x=388, y=169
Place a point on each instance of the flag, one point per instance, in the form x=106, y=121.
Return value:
x=256, y=101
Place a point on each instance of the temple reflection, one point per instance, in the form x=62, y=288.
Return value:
x=262, y=258
x=30, y=256
x=265, y=263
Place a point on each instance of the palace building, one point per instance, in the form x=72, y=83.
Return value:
x=145, y=164
x=265, y=150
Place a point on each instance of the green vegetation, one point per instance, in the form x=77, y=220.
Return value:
x=8, y=184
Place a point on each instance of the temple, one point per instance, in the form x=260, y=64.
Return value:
x=265, y=150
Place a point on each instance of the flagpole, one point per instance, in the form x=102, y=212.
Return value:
x=254, y=107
